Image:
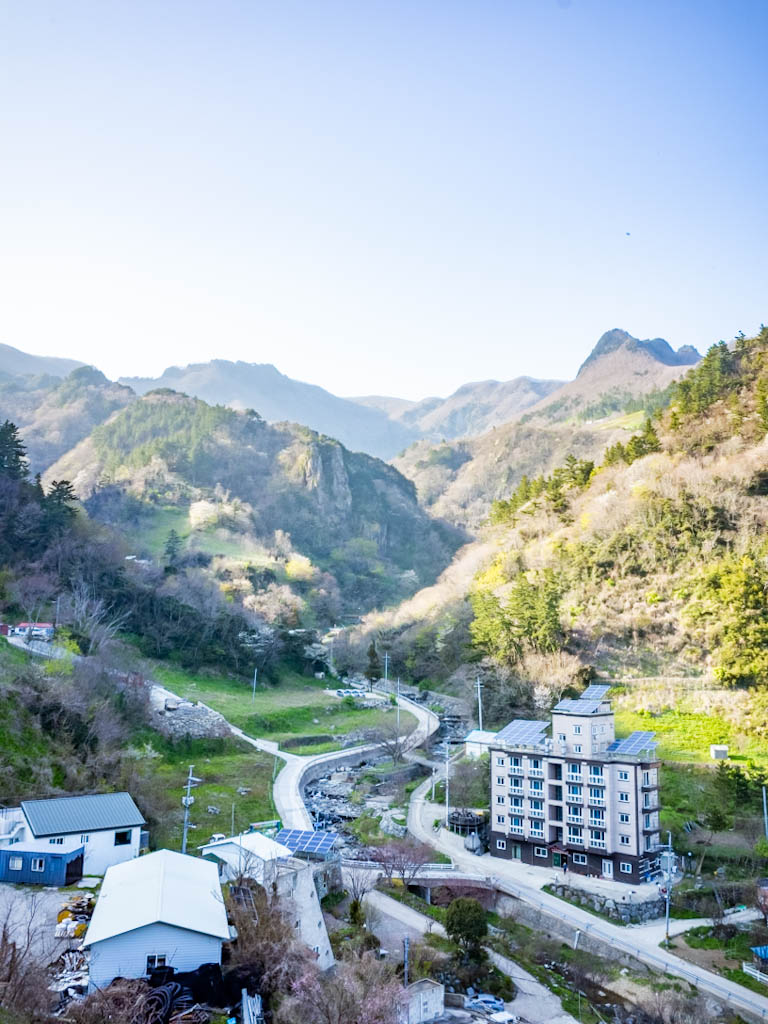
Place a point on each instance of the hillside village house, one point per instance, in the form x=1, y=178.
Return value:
x=581, y=799
x=163, y=910
x=57, y=841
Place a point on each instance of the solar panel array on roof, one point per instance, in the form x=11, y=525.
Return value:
x=523, y=730
x=594, y=692
x=634, y=743
x=579, y=706
x=306, y=842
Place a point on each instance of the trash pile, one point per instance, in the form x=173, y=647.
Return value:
x=70, y=976
x=169, y=1004
x=72, y=920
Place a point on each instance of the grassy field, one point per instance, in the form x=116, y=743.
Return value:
x=686, y=735
x=297, y=713
x=224, y=767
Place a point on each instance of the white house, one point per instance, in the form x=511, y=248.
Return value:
x=248, y=855
x=107, y=826
x=162, y=910
x=423, y=1001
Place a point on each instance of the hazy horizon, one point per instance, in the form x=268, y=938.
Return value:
x=383, y=198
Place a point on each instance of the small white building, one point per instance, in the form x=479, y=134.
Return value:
x=107, y=826
x=478, y=742
x=162, y=910
x=248, y=855
x=423, y=1001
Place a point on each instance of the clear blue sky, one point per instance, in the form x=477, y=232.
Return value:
x=392, y=197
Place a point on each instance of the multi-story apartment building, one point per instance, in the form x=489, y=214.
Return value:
x=579, y=797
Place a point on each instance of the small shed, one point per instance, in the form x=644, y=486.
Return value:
x=26, y=865
x=718, y=751
x=245, y=856
x=424, y=1001
x=162, y=910
x=478, y=742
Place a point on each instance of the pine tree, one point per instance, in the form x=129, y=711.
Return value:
x=373, y=669
x=13, y=463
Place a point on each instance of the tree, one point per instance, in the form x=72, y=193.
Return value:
x=466, y=924
x=358, y=881
x=359, y=991
x=172, y=548
x=59, y=507
x=373, y=668
x=13, y=462
x=403, y=857
x=470, y=782
x=393, y=742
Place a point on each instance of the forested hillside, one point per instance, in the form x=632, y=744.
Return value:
x=651, y=561
x=288, y=520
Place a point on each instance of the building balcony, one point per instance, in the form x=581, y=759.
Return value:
x=573, y=776
x=597, y=801
x=573, y=798
x=536, y=833
x=651, y=784
x=596, y=823
x=653, y=827
x=536, y=814
x=574, y=841
x=597, y=844
x=516, y=771
x=575, y=819
x=596, y=780
x=652, y=805
x=536, y=773
x=517, y=830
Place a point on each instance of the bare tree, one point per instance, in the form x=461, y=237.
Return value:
x=23, y=953
x=392, y=740
x=403, y=857
x=358, y=881
x=362, y=990
x=32, y=592
x=91, y=616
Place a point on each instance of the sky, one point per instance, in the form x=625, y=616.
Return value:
x=380, y=197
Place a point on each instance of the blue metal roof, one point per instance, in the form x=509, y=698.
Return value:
x=761, y=952
x=67, y=814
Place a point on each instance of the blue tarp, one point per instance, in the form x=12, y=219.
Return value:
x=761, y=952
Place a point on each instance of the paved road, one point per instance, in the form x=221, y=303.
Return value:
x=534, y=1002
x=639, y=941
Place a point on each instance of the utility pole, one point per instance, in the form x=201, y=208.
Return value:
x=232, y=832
x=386, y=670
x=433, y=785
x=669, y=885
x=253, y=691
x=398, y=708
x=765, y=814
x=406, y=948
x=187, y=800
x=447, y=804
x=479, y=704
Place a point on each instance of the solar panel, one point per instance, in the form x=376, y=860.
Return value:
x=579, y=707
x=523, y=731
x=634, y=743
x=300, y=841
x=594, y=692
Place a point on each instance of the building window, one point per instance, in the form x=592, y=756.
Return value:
x=155, y=960
x=500, y=819
x=84, y=839
x=123, y=838
x=57, y=841
x=15, y=863
x=646, y=778
x=540, y=851
x=516, y=762
x=624, y=840
x=624, y=819
x=623, y=798
x=499, y=780
x=561, y=737
x=574, y=791
x=38, y=864
x=536, y=805
x=596, y=771
x=537, y=786
x=500, y=761
x=577, y=730
x=535, y=763
x=517, y=801
x=625, y=868
x=517, y=822
x=623, y=776
x=500, y=799
x=579, y=858
x=577, y=748
x=501, y=844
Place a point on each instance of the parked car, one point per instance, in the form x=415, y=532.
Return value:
x=485, y=1001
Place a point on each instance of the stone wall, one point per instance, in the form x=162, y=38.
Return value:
x=616, y=909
